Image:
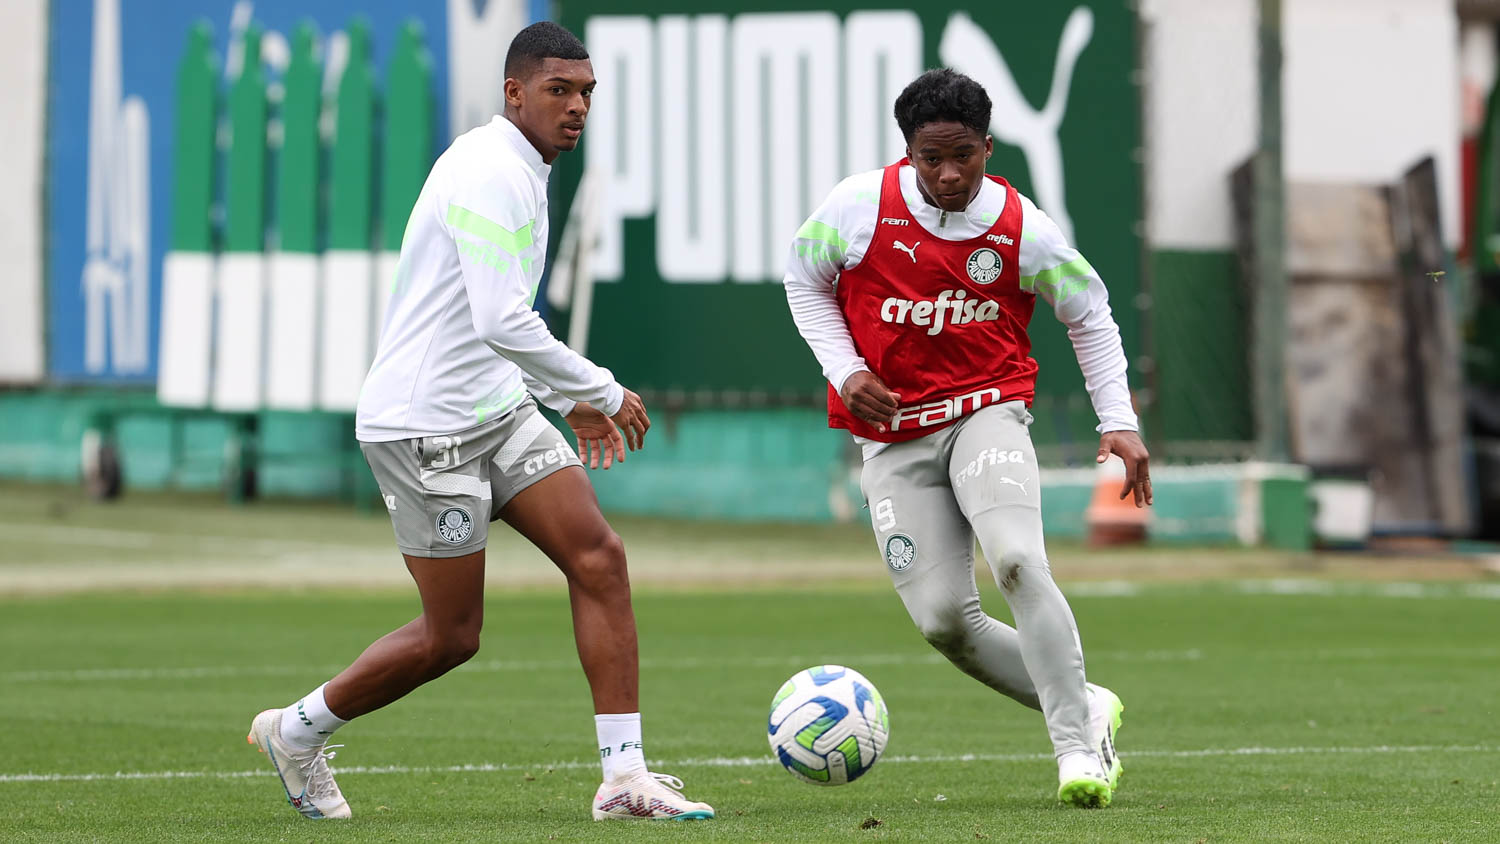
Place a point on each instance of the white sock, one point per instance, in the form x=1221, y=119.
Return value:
x=620, y=744
x=308, y=722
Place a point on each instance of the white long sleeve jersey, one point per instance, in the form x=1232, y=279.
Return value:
x=838, y=234
x=461, y=341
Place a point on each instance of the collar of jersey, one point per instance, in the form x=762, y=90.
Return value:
x=990, y=199
x=522, y=146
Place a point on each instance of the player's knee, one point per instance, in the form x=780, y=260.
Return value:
x=452, y=647
x=465, y=645
x=1015, y=564
x=600, y=566
x=458, y=650
x=946, y=632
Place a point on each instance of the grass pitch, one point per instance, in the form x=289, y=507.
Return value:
x=1308, y=710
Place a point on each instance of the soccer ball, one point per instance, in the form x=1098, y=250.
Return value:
x=828, y=725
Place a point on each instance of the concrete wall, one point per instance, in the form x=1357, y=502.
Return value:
x=1202, y=116
x=1371, y=87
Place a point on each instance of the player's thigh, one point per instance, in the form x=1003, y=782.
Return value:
x=539, y=487
x=451, y=589
x=923, y=538
x=560, y=515
x=437, y=490
x=531, y=451
x=997, y=483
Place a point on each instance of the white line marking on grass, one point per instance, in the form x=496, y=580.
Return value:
x=1490, y=591
x=747, y=762
x=1103, y=589
x=87, y=675
x=108, y=675
x=94, y=537
x=1395, y=589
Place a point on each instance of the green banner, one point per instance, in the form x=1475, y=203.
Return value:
x=716, y=129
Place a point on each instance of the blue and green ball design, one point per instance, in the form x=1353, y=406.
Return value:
x=828, y=725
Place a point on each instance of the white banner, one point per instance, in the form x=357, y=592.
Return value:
x=23, y=76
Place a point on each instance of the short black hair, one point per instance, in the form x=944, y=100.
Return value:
x=541, y=40
x=941, y=96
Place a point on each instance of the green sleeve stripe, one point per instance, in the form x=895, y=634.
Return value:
x=814, y=230
x=1049, y=279
x=483, y=409
x=1072, y=287
x=467, y=221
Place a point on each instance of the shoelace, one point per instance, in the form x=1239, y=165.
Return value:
x=315, y=768
x=670, y=782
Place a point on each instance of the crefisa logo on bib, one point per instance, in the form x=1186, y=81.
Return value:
x=455, y=526
x=984, y=265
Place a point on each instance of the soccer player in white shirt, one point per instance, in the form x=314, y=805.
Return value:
x=448, y=424
x=914, y=286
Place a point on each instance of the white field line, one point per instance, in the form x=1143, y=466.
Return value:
x=93, y=537
x=1296, y=586
x=86, y=675
x=107, y=675
x=751, y=762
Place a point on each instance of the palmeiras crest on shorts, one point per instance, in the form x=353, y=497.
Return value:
x=984, y=265
x=455, y=526
x=900, y=551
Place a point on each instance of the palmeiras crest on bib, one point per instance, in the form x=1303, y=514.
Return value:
x=900, y=551
x=455, y=526
x=984, y=265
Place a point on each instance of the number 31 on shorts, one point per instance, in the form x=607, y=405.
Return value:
x=447, y=452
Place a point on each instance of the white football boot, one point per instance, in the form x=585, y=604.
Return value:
x=1089, y=779
x=1105, y=717
x=304, y=771
x=1082, y=781
x=646, y=796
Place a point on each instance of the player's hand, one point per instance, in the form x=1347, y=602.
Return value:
x=598, y=438
x=869, y=399
x=633, y=420
x=1128, y=445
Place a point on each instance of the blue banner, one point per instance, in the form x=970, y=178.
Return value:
x=109, y=151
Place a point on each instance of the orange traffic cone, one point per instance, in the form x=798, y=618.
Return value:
x=1112, y=521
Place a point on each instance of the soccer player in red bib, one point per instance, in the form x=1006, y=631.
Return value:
x=914, y=286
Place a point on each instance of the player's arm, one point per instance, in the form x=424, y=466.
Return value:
x=833, y=239
x=548, y=397
x=1056, y=272
x=599, y=441
x=491, y=224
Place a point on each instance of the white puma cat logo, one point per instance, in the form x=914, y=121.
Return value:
x=910, y=250
x=1004, y=481
x=967, y=48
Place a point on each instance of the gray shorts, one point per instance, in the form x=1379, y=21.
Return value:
x=925, y=495
x=442, y=492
